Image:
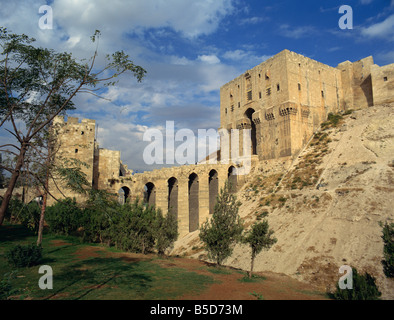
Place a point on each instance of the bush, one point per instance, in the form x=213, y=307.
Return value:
x=364, y=288
x=334, y=118
x=27, y=215
x=24, y=256
x=14, y=208
x=96, y=224
x=30, y=216
x=165, y=232
x=5, y=287
x=388, y=249
x=134, y=229
x=64, y=217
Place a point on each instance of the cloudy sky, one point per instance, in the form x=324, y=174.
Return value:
x=190, y=48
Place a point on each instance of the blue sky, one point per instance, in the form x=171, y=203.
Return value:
x=192, y=47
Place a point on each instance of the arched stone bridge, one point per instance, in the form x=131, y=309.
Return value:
x=188, y=191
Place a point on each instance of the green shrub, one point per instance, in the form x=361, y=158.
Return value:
x=14, y=208
x=364, y=288
x=388, y=249
x=165, y=231
x=30, y=216
x=96, y=224
x=334, y=118
x=5, y=287
x=64, y=217
x=26, y=214
x=133, y=229
x=24, y=256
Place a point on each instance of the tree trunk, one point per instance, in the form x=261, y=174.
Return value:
x=14, y=178
x=42, y=216
x=251, y=266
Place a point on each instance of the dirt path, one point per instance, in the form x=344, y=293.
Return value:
x=229, y=285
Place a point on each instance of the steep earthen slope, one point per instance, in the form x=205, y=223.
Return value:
x=326, y=207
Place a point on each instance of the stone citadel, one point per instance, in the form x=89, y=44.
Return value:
x=283, y=102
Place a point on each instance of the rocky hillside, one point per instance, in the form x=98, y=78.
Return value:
x=325, y=206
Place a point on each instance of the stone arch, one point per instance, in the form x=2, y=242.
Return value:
x=253, y=133
x=193, y=202
x=213, y=189
x=173, y=196
x=123, y=195
x=150, y=194
x=232, y=179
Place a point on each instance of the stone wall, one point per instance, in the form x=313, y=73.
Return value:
x=191, y=202
x=75, y=140
x=356, y=83
x=382, y=84
x=283, y=101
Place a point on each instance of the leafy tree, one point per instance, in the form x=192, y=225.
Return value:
x=37, y=84
x=44, y=163
x=259, y=238
x=64, y=217
x=220, y=233
x=99, y=215
x=134, y=228
x=165, y=231
x=388, y=249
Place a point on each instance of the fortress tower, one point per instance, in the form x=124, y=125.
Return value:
x=284, y=99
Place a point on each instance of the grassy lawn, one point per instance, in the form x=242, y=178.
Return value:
x=93, y=272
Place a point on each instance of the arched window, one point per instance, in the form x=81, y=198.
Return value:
x=123, y=195
x=249, y=115
x=193, y=202
x=150, y=194
x=213, y=189
x=173, y=196
x=232, y=179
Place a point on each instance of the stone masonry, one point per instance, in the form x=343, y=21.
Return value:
x=283, y=101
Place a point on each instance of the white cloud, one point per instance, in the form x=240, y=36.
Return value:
x=235, y=55
x=253, y=20
x=246, y=59
x=296, y=32
x=176, y=87
x=188, y=17
x=384, y=29
x=209, y=59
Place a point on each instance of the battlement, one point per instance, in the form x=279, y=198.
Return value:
x=284, y=99
x=73, y=121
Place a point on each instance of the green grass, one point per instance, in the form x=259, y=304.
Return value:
x=219, y=270
x=255, y=278
x=94, y=277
